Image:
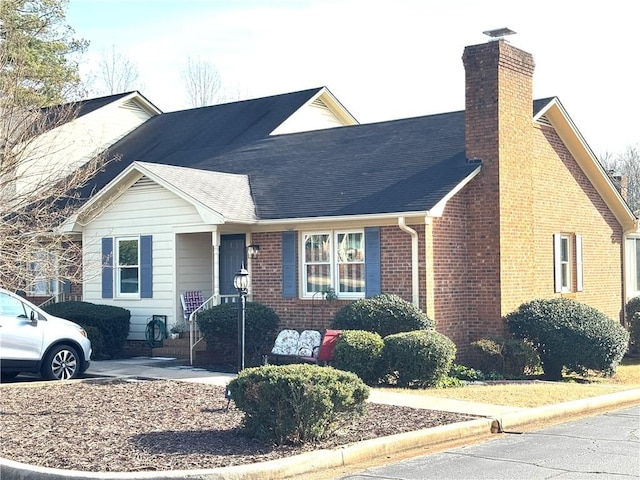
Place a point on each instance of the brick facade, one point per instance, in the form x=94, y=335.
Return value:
x=492, y=249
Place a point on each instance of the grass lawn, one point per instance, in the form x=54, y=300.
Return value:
x=541, y=393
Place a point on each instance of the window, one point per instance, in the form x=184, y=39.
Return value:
x=42, y=272
x=632, y=266
x=334, y=260
x=567, y=260
x=127, y=267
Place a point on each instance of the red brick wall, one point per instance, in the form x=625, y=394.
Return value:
x=266, y=275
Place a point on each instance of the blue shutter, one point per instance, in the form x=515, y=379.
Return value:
x=289, y=246
x=107, y=267
x=372, y=261
x=146, y=267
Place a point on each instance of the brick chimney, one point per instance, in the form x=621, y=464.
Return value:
x=499, y=131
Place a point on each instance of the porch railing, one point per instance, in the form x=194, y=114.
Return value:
x=195, y=335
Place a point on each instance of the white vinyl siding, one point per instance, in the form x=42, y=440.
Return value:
x=72, y=144
x=144, y=209
x=315, y=116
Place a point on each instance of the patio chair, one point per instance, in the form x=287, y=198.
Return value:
x=309, y=345
x=191, y=301
x=285, y=345
x=325, y=352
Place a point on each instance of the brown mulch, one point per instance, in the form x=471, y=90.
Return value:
x=121, y=425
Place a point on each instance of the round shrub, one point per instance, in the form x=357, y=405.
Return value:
x=113, y=323
x=508, y=357
x=220, y=324
x=296, y=403
x=568, y=334
x=359, y=351
x=97, y=343
x=632, y=309
x=383, y=314
x=417, y=359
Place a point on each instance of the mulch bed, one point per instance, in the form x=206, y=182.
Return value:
x=125, y=425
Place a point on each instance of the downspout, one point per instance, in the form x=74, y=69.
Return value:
x=415, y=273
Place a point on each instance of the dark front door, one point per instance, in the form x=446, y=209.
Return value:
x=232, y=257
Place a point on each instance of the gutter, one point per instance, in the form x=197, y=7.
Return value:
x=415, y=283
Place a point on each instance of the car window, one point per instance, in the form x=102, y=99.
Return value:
x=11, y=307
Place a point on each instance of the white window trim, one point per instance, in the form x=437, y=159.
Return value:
x=573, y=264
x=333, y=263
x=632, y=286
x=117, y=269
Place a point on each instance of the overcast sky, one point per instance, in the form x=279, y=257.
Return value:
x=382, y=59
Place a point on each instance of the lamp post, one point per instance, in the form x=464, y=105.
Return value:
x=241, y=283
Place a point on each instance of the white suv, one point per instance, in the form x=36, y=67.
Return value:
x=31, y=340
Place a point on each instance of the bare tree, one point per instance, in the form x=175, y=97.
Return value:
x=202, y=82
x=117, y=73
x=624, y=170
x=41, y=173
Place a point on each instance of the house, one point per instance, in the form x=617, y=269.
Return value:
x=466, y=214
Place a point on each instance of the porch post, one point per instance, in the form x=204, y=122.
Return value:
x=215, y=270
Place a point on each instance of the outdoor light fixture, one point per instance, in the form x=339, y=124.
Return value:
x=253, y=251
x=241, y=283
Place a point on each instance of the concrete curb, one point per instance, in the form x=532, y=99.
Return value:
x=343, y=456
x=509, y=421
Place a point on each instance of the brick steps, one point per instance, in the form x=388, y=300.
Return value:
x=177, y=348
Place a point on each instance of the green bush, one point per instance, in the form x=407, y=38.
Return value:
x=112, y=322
x=296, y=403
x=509, y=357
x=569, y=334
x=97, y=343
x=632, y=309
x=383, y=314
x=417, y=359
x=358, y=351
x=220, y=324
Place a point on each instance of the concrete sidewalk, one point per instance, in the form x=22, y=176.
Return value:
x=491, y=419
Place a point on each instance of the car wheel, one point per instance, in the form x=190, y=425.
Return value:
x=61, y=363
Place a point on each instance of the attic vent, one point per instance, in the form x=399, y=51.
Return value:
x=543, y=120
x=319, y=104
x=132, y=105
x=143, y=183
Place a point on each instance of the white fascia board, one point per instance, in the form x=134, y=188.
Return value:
x=588, y=162
x=335, y=105
x=438, y=208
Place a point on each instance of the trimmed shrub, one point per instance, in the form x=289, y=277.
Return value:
x=383, y=314
x=569, y=334
x=359, y=351
x=508, y=357
x=112, y=322
x=632, y=309
x=417, y=359
x=296, y=403
x=220, y=324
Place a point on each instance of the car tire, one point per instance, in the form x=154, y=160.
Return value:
x=61, y=363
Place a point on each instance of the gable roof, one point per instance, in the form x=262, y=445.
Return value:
x=186, y=137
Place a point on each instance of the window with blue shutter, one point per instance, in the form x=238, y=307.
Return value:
x=289, y=245
x=373, y=283
x=146, y=267
x=107, y=267
x=127, y=267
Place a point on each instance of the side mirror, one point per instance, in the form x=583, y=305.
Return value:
x=34, y=318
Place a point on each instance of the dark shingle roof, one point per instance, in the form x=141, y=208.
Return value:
x=186, y=137
x=397, y=166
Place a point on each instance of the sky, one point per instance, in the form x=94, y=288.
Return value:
x=382, y=59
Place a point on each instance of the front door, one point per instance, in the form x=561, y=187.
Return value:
x=232, y=257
